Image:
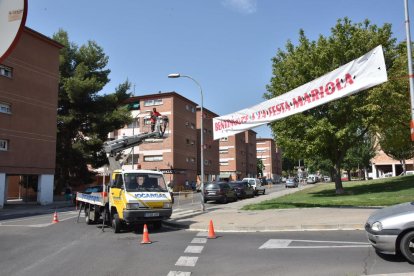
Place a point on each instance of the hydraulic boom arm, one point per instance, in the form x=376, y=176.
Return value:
x=115, y=147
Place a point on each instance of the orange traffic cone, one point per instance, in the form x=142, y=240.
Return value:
x=211, y=234
x=55, y=218
x=145, y=236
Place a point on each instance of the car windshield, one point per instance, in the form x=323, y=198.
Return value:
x=94, y=189
x=140, y=182
x=212, y=186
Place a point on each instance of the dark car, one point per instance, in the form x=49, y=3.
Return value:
x=220, y=191
x=89, y=190
x=242, y=188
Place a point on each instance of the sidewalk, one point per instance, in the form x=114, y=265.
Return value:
x=230, y=217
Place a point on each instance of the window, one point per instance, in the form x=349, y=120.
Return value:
x=134, y=157
x=5, y=108
x=224, y=163
x=224, y=139
x=224, y=151
x=153, y=102
x=147, y=120
x=153, y=158
x=190, y=108
x=4, y=145
x=134, y=124
x=119, y=182
x=192, y=126
x=190, y=159
x=6, y=71
x=190, y=142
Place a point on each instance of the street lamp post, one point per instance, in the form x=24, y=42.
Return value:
x=201, y=137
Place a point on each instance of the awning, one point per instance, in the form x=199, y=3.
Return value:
x=225, y=175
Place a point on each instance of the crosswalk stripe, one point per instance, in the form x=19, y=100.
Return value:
x=193, y=249
x=186, y=261
x=179, y=273
x=199, y=240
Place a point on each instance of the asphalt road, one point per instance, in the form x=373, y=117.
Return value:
x=34, y=246
x=192, y=201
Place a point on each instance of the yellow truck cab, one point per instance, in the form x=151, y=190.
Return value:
x=138, y=196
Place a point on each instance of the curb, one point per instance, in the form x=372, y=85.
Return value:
x=217, y=228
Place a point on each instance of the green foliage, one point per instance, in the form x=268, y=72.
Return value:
x=260, y=166
x=393, y=102
x=330, y=130
x=84, y=117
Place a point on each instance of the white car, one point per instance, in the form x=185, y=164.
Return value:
x=256, y=184
x=391, y=230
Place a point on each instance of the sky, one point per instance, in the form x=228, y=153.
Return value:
x=227, y=46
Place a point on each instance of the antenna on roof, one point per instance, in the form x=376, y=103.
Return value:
x=12, y=19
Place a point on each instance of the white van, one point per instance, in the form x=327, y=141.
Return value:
x=256, y=184
x=312, y=179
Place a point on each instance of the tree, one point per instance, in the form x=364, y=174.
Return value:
x=330, y=130
x=394, y=131
x=84, y=117
x=260, y=166
x=359, y=155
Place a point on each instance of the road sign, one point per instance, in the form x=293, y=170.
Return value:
x=13, y=15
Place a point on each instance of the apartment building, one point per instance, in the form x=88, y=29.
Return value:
x=238, y=156
x=271, y=157
x=250, y=153
x=29, y=79
x=383, y=164
x=211, y=146
x=177, y=154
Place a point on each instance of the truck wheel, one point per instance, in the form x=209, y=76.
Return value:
x=116, y=223
x=157, y=225
x=407, y=246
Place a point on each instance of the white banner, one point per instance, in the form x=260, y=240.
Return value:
x=359, y=74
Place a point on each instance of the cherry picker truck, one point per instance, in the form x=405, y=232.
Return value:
x=133, y=196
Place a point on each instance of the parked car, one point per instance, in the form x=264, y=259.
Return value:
x=292, y=182
x=243, y=189
x=388, y=174
x=326, y=179
x=407, y=173
x=219, y=191
x=256, y=184
x=312, y=179
x=391, y=230
x=89, y=190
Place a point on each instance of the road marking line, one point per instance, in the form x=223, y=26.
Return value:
x=38, y=225
x=202, y=234
x=179, y=273
x=186, y=261
x=193, y=249
x=282, y=243
x=199, y=240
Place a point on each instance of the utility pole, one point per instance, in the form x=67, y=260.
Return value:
x=410, y=66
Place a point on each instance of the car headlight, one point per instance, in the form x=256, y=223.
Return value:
x=376, y=226
x=132, y=205
x=167, y=205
